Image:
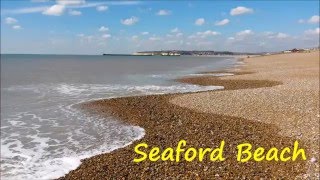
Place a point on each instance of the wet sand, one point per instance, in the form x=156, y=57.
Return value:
x=199, y=119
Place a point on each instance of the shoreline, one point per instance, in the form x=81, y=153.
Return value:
x=165, y=123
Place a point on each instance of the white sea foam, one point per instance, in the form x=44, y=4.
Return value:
x=37, y=156
x=212, y=74
x=86, y=90
x=50, y=140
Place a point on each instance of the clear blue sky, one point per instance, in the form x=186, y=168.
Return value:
x=95, y=27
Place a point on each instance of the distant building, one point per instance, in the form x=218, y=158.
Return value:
x=295, y=50
x=170, y=53
x=143, y=54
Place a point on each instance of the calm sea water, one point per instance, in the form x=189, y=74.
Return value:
x=43, y=136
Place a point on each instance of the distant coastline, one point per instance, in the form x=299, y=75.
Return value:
x=195, y=52
x=123, y=55
x=184, y=53
x=208, y=53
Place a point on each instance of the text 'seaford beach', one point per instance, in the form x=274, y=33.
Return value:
x=245, y=153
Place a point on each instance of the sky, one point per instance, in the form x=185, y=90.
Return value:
x=96, y=27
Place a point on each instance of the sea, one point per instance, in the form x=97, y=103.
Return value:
x=43, y=135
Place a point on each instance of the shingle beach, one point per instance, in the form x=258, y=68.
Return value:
x=270, y=101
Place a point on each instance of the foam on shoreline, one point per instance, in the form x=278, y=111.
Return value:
x=36, y=159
